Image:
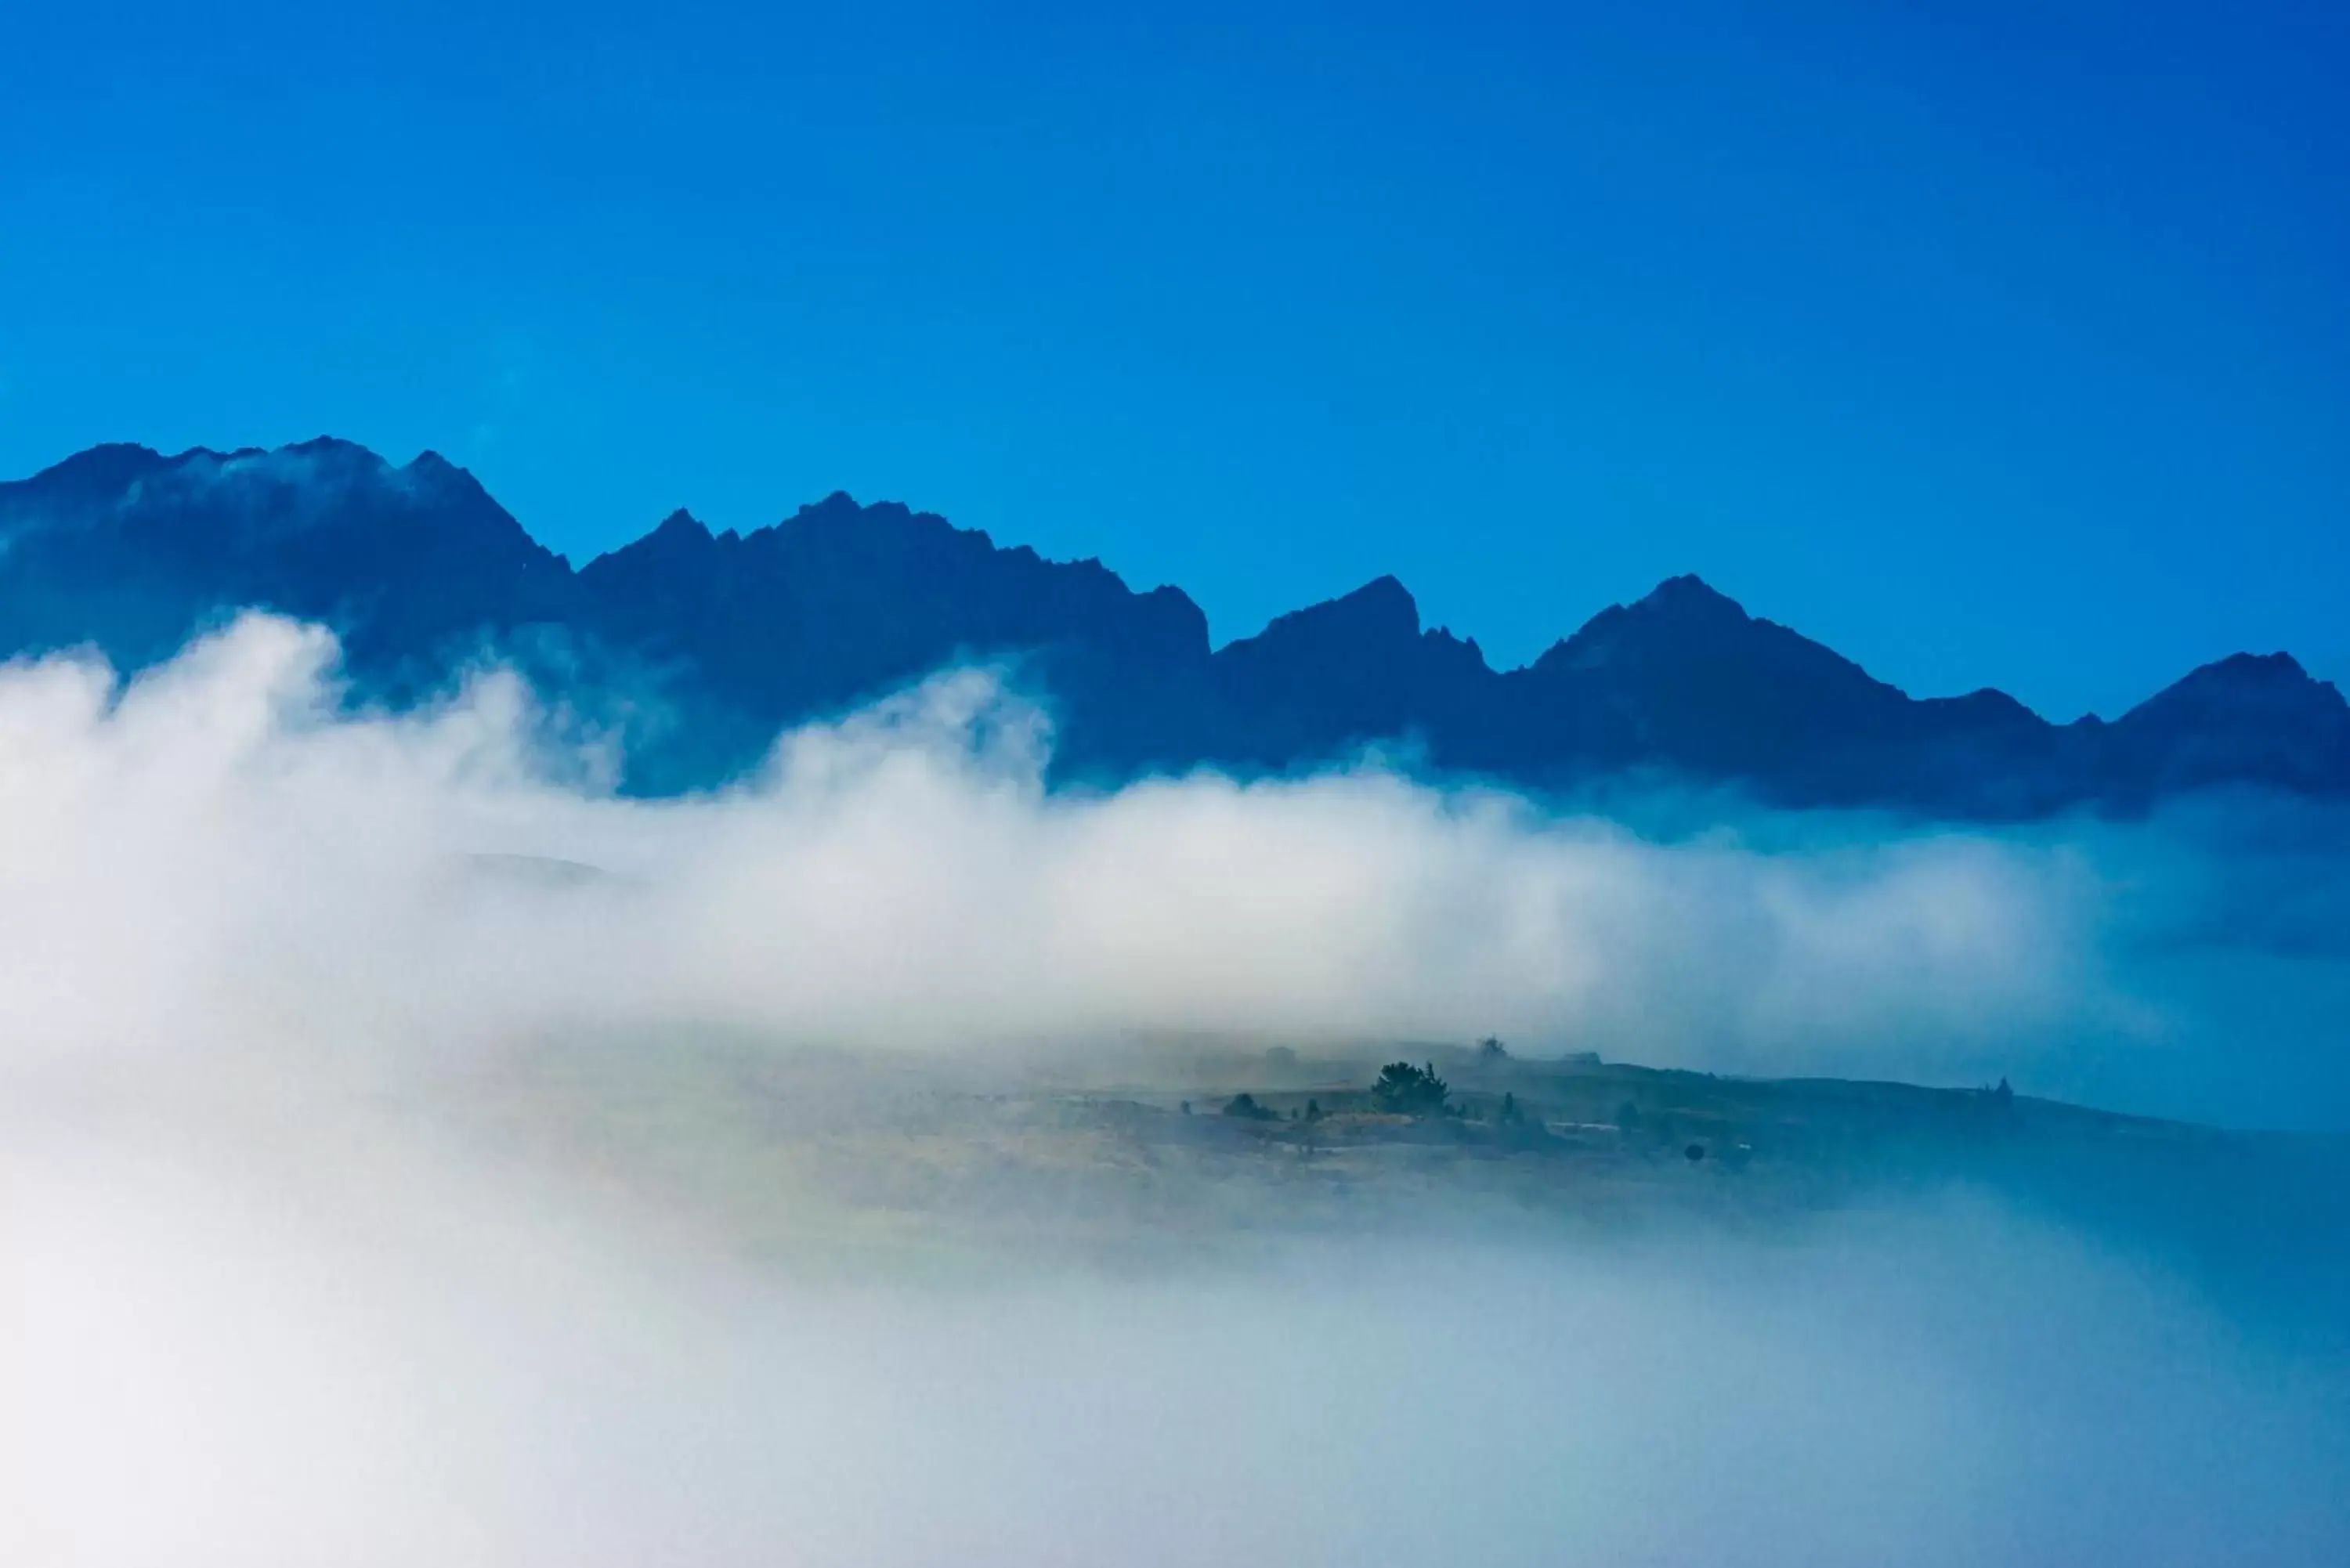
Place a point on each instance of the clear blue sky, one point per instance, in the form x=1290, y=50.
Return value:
x=1991, y=343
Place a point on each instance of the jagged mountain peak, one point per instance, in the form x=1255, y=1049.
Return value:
x=110, y=466
x=1681, y=619
x=1689, y=595
x=2249, y=669
x=740, y=635
x=2244, y=683
x=1381, y=610
x=839, y=503
x=678, y=539
x=325, y=479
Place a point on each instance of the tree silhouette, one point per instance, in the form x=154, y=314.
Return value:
x=1413, y=1091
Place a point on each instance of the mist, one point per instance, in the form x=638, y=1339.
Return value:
x=221, y=857
x=275, y=1287
x=199, y=1375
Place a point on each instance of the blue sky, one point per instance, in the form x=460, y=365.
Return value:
x=1992, y=344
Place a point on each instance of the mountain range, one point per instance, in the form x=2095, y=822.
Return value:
x=706, y=645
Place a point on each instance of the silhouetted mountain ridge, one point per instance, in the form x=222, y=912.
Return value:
x=734, y=636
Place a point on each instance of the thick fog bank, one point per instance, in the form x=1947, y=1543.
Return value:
x=295, y=1352
x=218, y=860
x=269, y=1296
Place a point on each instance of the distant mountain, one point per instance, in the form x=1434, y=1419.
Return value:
x=132, y=551
x=704, y=646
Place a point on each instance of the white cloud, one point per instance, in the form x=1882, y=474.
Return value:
x=255, y=1312
x=217, y=853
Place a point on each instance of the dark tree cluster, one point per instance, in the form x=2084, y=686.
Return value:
x=1410, y=1091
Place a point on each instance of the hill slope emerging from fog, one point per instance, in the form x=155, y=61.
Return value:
x=1144, y=1148
x=701, y=647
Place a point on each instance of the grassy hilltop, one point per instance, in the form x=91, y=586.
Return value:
x=1131, y=1154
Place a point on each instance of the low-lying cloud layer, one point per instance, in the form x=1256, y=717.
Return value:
x=205, y=1375
x=255, y=1308
x=217, y=857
